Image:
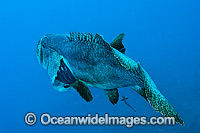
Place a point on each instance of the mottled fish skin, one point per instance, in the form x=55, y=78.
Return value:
x=96, y=63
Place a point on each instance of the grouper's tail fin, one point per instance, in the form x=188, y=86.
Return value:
x=155, y=98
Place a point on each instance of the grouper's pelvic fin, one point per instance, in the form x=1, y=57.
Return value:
x=83, y=90
x=112, y=95
x=117, y=43
x=155, y=98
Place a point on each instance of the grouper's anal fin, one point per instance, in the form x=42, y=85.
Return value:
x=112, y=95
x=117, y=43
x=83, y=90
x=155, y=98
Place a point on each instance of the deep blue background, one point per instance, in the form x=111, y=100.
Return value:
x=163, y=36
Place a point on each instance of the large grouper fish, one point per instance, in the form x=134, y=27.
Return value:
x=79, y=60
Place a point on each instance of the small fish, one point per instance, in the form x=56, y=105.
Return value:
x=78, y=60
x=125, y=101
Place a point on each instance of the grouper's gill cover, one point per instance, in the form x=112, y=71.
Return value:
x=64, y=74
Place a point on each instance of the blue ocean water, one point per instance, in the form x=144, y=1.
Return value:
x=164, y=36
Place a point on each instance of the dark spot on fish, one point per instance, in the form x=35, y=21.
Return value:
x=66, y=86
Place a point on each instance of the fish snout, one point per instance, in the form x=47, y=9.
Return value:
x=40, y=49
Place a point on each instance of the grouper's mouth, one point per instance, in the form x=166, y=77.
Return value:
x=44, y=52
x=39, y=52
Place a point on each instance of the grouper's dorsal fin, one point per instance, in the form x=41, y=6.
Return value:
x=99, y=38
x=112, y=95
x=81, y=37
x=117, y=43
x=87, y=37
x=83, y=90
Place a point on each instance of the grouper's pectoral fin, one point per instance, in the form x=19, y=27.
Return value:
x=83, y=90
x=112, y=95
x=117, y=43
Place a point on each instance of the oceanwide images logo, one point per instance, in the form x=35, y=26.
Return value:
x=46, y=119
